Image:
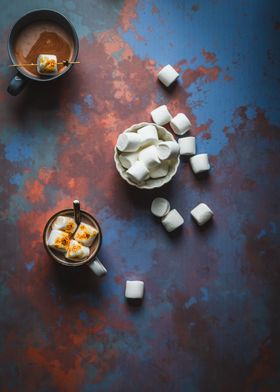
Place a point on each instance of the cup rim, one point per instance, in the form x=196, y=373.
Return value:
x=75, y=38
x=55, y=256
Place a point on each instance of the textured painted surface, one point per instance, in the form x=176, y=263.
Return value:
x=210, y=319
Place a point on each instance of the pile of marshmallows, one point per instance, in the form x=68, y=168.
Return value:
x=146, y=162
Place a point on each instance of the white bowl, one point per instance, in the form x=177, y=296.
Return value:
x=151, y=183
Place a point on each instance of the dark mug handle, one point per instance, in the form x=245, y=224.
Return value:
x=17, y=84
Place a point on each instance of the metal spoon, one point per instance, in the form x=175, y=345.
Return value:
x=77, y=211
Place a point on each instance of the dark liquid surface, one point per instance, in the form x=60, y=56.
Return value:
x=43, y=37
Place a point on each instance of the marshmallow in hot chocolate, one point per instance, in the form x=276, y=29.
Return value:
x=76, y=251
x=47, y=64
x=59, y=240
x=65, y=223
x=85, y=234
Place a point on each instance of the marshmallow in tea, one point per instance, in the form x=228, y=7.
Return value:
x=77, y=251
x=161, y=115
x=172, y=220
x=202, y=214
x=148, y=134
x=47, y=64
x=168, y=150
x=65, y=223
x=129, y=142
x=149, y=156
x=59, y=240
x=200, y=163
x=160, y=171
x=180, y=124
x=187, y=145
x=160, y=207
x=138, y=172
x=85, y=234
x=127, y=159
x=134, y=289
x=167, y=75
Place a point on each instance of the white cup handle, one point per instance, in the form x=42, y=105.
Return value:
x=98, y=268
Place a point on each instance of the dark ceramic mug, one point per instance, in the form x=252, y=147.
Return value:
x=22, y=77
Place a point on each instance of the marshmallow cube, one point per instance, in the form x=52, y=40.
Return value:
x=168, y=150
x=138, y=172
x=172, y=221
x=187, y=145
x=160, y=207
x=129, y=142
x=149, y=156
x=160, y=171
x=76, y=251
x=127, y=159
x=167, y=75
x=161, y=115
x=85, y=234
x=200, y=163
x=47, y=64
x=59, y=240
x=65, y=223
x=180, y=124
x=134, y=289
x=202, y=214
x=148, y=134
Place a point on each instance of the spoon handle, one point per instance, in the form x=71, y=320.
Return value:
x=77, y=211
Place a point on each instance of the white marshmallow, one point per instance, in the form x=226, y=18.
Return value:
x=59, y=240
x=172, y=220
x=149, y=156
x=168, y=150
x=180, y=124
x=148, y=135
x=76, y=251
x=202, y=214
x=47, y=64
x=161, y=115
x=138, y=172
x=200, y=163
x=127, y=159
x=129, y=142
x=85, y=234
x=65, y=223
x=160, y=171
x=167, y=75
x=134, y=289
x=187, y=145
x=160, y=207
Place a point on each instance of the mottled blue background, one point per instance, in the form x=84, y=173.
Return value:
x=210, y=318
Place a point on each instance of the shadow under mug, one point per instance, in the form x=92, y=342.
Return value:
x=19, y=81
x=92, y=260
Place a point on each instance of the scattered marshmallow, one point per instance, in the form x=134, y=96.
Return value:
x=127, y=159
x=167, y=75
x=134, y=289
x=98, y=268
x=168, y=150
x=187, y=145
x=200, y=163
x=65, y=223
x=47, y=64
x=161, y=115
x=148, y=135
x=160, y=207
x=160, y=171
x=138, y=172
x=149, y=156
x=59, y=240
x=180, y=124
x=129, y=142
x=76, y=251
x=85, y=234
x=202, y=214
x=172, y=220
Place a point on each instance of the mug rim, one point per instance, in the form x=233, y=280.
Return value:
x=90, y=259
x=75, y=38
